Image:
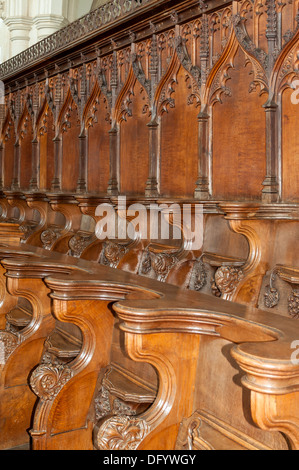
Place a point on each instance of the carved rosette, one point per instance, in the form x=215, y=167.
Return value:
x=294, y=304
x=121, y=433
x=48, y=380
x=8, y=343
x=226, y=280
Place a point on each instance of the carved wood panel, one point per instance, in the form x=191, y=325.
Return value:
x=216, y=84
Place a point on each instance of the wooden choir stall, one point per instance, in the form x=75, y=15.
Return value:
x=186, y=112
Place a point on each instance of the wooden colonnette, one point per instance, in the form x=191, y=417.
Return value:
x=171, y=105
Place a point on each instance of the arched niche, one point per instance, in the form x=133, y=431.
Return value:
x=9, y=139
x=98, y=148
x=290, y=145
x=26, y=136
x=134, y=141
x=238, y=133
x=179, y=139
x=46, y=134
x=70, y=130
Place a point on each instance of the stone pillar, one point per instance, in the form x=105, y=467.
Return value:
x=48, y=24
x=19, y=28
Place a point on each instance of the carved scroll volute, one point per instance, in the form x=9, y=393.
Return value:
x=176, y=368
x=73, y=383
x=35, y=291
x=242, y=220
x=274, y=386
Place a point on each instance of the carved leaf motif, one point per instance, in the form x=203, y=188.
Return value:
x=121, y=433
x=227, y=279
x=8, y=343
x=162, y=264
x=271, y=297
x=294, y=304
x=112, y=254
x=78, y=243
x=48, y=237
x=47, y=380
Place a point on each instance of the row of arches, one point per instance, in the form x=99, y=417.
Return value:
x=85, y=145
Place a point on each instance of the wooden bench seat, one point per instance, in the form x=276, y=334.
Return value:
x=122, y=387
x=156, y=311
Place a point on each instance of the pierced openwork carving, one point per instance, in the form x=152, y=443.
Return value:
x=121, y=433
x=47, y=380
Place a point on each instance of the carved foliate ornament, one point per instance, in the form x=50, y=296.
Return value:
x=271, y=296
x=48, y=237
x=105, y=405
x=121, y=433
x=112, y=254
x=294, y=304
x=48, y=380
x=8, y=344
x=226, y=280
x=162, y=264
x=78, y=243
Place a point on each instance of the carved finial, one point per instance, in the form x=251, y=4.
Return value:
x=132, y=36
x=153, y=27
x=271, y=31
x=114, y=72
x=174, y=16
x=202, y=5
x=154, y=61
x=113, y=43
x=204, y=38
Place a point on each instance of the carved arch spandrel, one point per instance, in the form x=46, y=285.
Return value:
x=216, y=82
x=163, y=94
x=69, y=105
x=26, y=133
x=89, y=115
x=122, y=108
x=45, y=130
x=286, y=67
